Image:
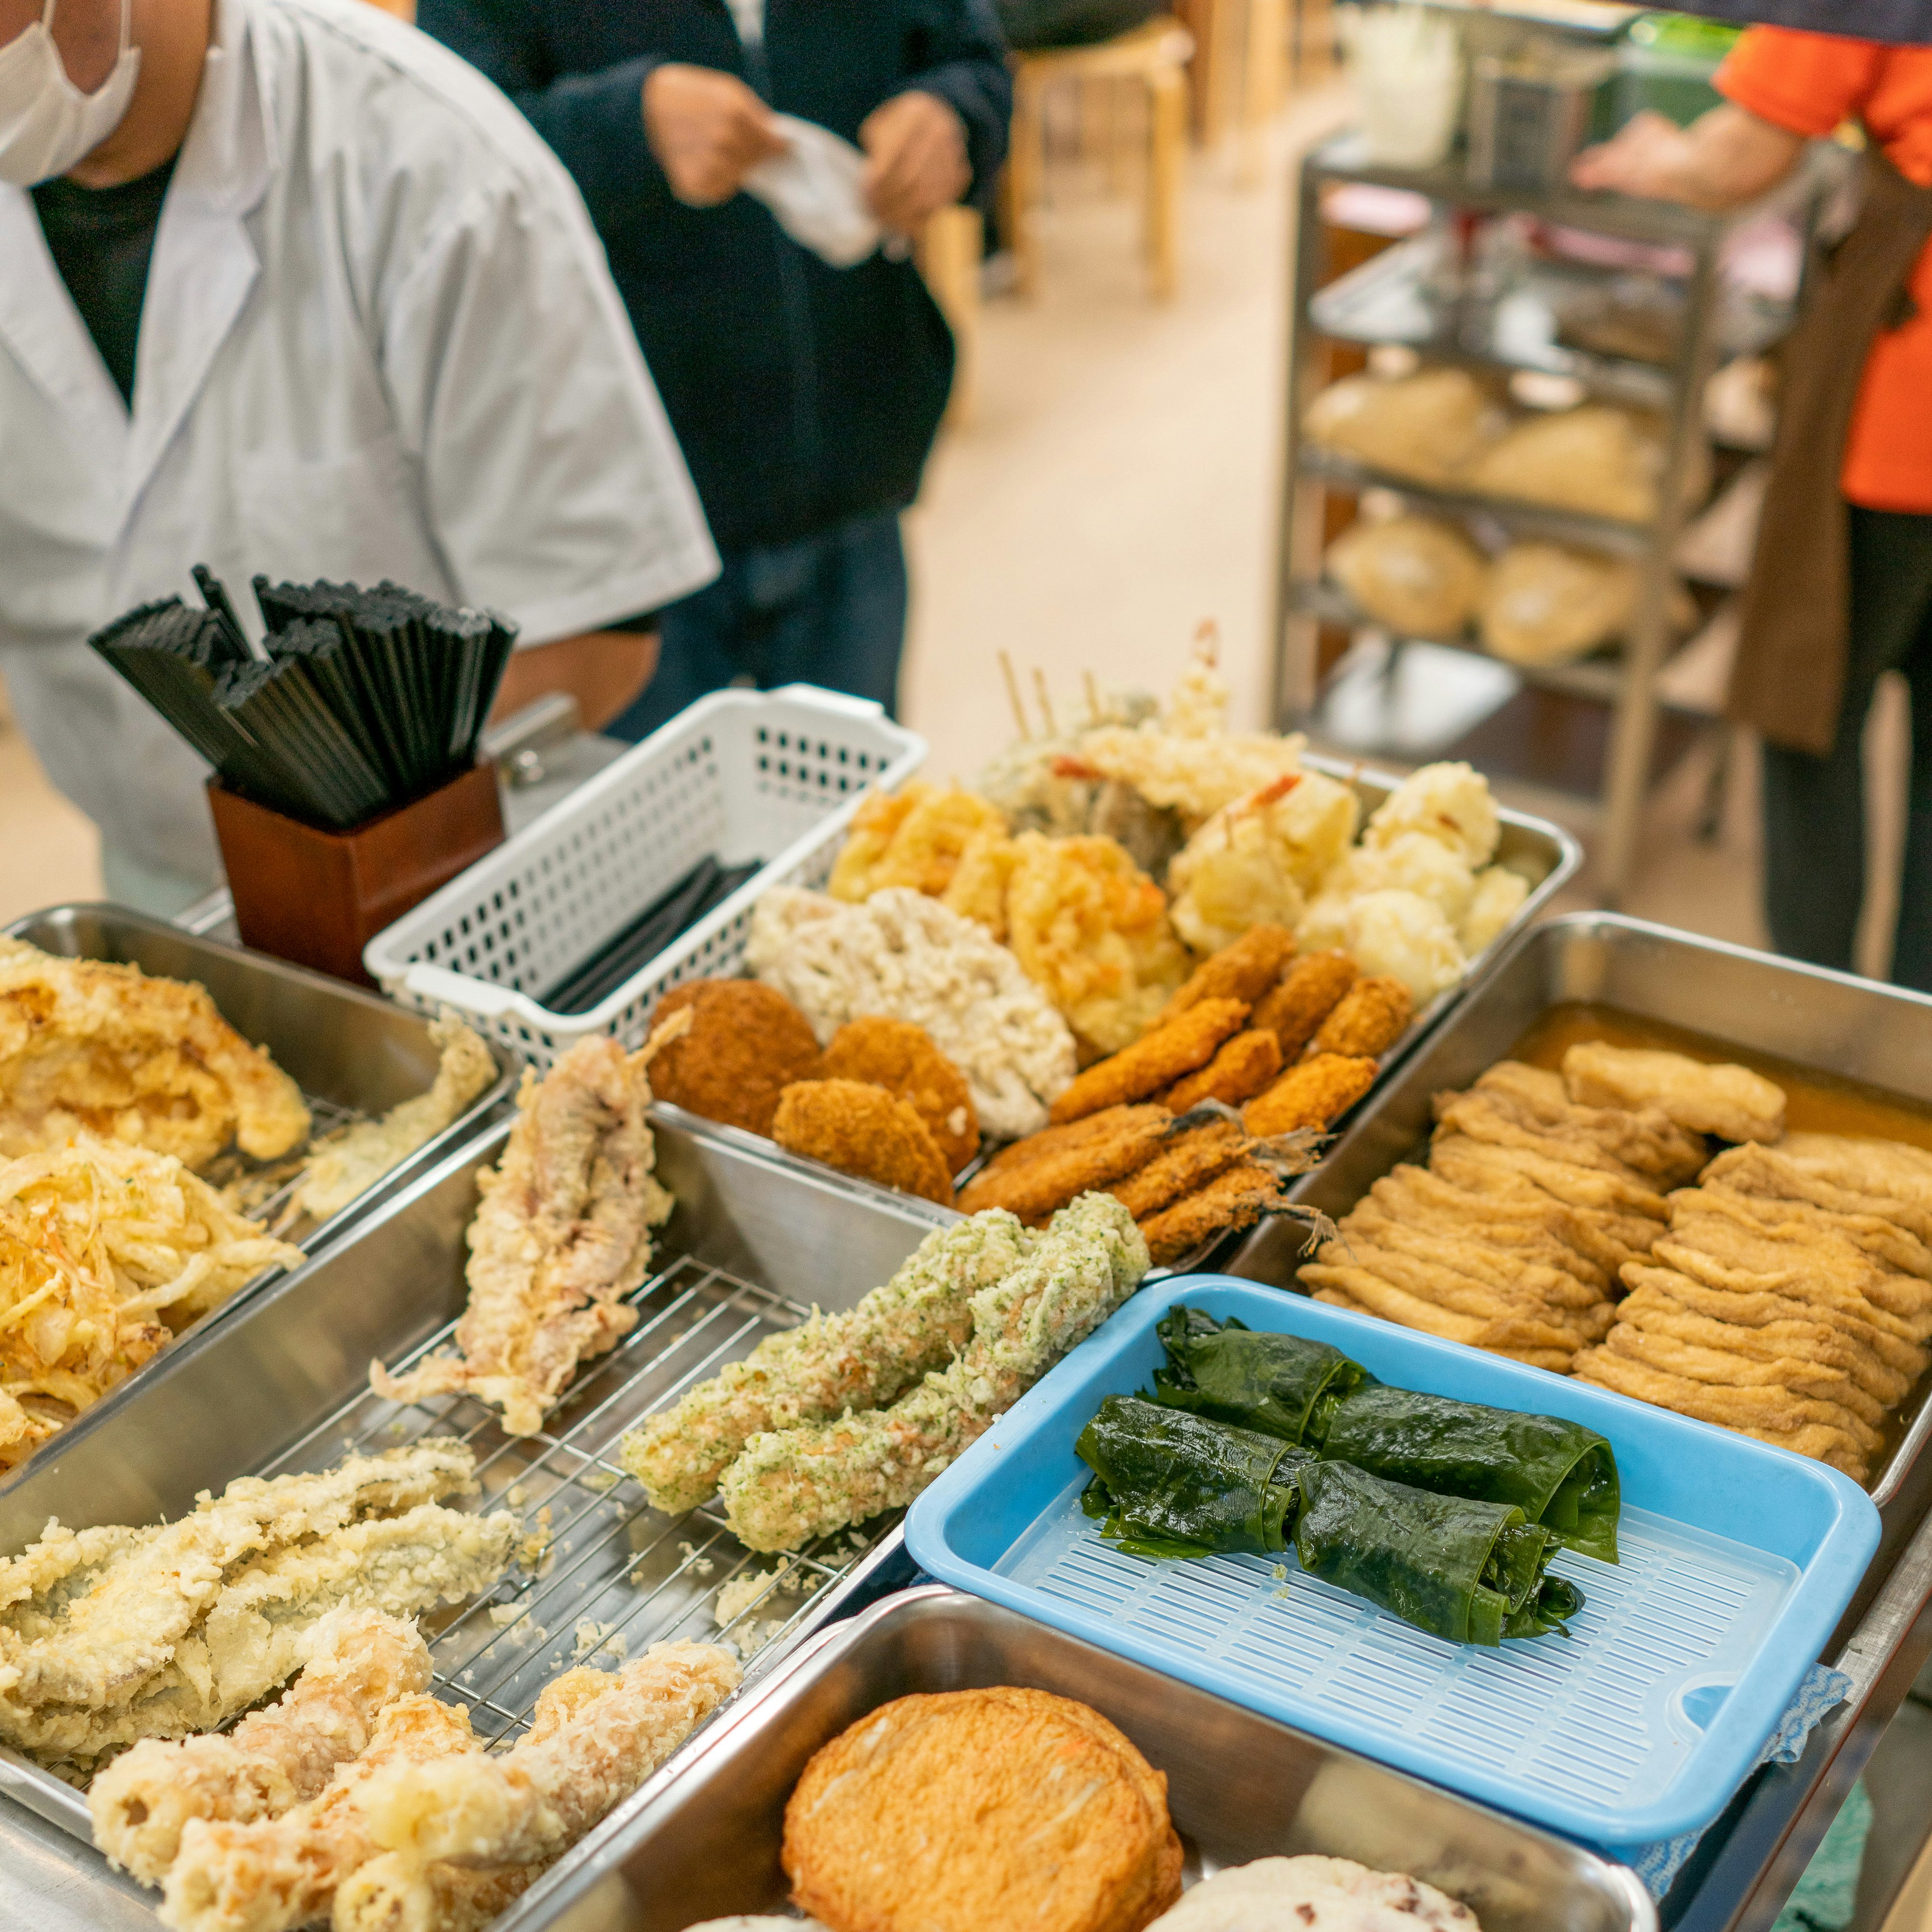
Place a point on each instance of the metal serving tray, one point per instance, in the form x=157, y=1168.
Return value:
x=1855, y=1028
x=1239, y=1787
x=750, y=1250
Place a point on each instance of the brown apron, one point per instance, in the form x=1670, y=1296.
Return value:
x=1789, y=681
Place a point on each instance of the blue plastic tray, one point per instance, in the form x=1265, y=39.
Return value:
x=1738, y=1559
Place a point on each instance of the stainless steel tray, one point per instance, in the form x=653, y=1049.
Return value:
x=750, y=1250
x=1855, y=1028
x=354, y=1055
x=1239, y=1787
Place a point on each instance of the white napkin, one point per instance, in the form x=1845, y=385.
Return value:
x=814, y=189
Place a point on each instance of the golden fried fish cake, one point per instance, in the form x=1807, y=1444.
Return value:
x=1245, y=1066
x=863, y=1131
x=1310, y=1095
x=966, y=1810
x=1156, y=1060
x=901, y=1057
x=1310, y=990
x=1368, y=1019
x=1244, y=971
x=1033, y=1189
x=747, y=1043
x=1731, y=1101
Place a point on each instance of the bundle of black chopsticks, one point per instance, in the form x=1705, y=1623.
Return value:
x=364, y=700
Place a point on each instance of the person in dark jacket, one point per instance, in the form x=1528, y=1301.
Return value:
x=805, y=397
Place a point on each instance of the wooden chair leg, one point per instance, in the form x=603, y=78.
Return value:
x=1261, y=84
x=950, y=254
x=1024, y=161
x=1167, y=158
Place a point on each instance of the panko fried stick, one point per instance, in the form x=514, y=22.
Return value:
x=1311, y=1095
x=536, y=1801
x=1059, y=1140
x=793, y=1485
x=1038, y=1188
x=273, y=1874
x=1367, y=1020
x=1245, y=970
x=1237, y=1197
x=1244, y=1067
x=1156, y=1060
x=859, y=1360
x=1310, y=990
x=1188, y=1161
x=360, y=1661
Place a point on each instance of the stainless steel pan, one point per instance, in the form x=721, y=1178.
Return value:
x=706, y=1843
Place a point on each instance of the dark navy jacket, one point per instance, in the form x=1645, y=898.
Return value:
x=803, y=395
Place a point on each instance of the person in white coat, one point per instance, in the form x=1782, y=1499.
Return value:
x=286, y=288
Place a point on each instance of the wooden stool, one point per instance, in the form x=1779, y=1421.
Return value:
x=1240, y=74
x=1154, y=56
x=950, y=249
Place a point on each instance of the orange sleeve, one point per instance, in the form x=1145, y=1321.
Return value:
x=1805, y=83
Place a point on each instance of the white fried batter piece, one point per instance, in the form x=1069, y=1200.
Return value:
x=860, y=1359
x=360, y=1662
x=604, y=1734
x=351, y=1162
x=792, y=1485
x=910, y=958
x=563, y=1235
x=84, y=1044
x=113, y=1634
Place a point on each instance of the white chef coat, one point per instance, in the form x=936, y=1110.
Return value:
x=380, y=339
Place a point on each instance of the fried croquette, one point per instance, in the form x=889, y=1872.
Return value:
x=747, y=1043
x=1243, y=1067
x=1244, y=971
x=864, y=1131
x=1310, y=990
x=1235, y=1199
x=901, y=1057
x=1310, y=1095
x=1033, y=1190
x=1188, y=1161
x=939, y=1813
x=1369, y=1017
x=1156, y=1060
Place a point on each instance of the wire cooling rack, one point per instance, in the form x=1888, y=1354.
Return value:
x=600, y=1575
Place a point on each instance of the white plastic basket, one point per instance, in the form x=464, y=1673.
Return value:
x=741, y=775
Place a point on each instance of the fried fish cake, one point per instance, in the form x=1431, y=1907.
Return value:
x=1368, y=1019
x=864, y=1131
x=1243, y=971
x=1156, y=1060
x=1310, y=1095
x=971, y=1809
x=1310, y=990
x=901, y=1057
x=748, y=1042
x=1244, y=1066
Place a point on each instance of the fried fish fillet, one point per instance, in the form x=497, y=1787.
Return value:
x=862, y=1359
x=1235, y=1198
x=1732, y=1103
x=534, y=1802
x=791, y=1485
x=1309, y=991
x=1156, y=1060
x=84, y=1044
x=865, y=1131
x=359, y=1662
x=1038, y=1187
x=1242, y=1067
x=1246, y=970
x=1367, y=1020
x=1074, y=1134
x=998, y=1807
x=563, y=1235
x=1313, y=1094
x=1186, y=1163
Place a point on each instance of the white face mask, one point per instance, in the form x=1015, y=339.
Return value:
x=47, y=125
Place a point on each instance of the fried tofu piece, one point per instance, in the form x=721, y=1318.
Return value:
x=995, y=1807
x=1311, y=1095
x=1156, y=1060
x=1645, y=1139
x=1310, y=990
x=1244, y=1067
x=1732, y=1103
x=901, y=1057
x=1235, y=1199
x=747, y=1043
x=863, y=1131
x=1186, y=1163
x=1368, y=1020
x=1253, y=965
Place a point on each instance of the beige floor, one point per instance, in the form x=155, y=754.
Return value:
x=1117, y=486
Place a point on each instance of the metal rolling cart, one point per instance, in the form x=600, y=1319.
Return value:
x=1415, y=294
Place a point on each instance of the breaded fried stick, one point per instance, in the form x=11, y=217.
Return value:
x=861, y=1359
x=1311, y=1095
x=1245, y=970
x=1368, y=1019
x=1034, y=1189
x=1246, y=1065
x=1187, y=1162
x=863, y=1130
x=1155, y=1060
x=484, y=1813
x=360, y=1662
x=793, y=1485
x=1060, y=1140
x=1310, y=990
x=1237, y=1197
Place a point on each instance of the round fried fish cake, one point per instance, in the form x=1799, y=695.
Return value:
x=971, y=1809
x=748, y=1042
x=901, y=1057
